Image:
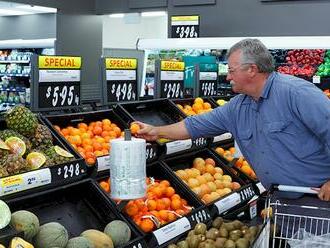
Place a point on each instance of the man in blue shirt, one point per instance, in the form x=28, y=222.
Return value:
x=281, y=123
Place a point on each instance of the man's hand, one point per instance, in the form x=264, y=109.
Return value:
x=324, y=193
x=147, y=132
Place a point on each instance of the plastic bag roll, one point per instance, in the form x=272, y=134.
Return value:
x=128, y=169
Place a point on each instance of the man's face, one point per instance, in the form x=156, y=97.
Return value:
x=237, y=72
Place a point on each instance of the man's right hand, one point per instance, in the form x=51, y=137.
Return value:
x=147, y=132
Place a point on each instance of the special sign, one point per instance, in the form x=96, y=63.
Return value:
x=171, y=79
x=58, y=81
x=121, y=79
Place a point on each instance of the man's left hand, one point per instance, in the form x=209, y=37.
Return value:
x=324, y=193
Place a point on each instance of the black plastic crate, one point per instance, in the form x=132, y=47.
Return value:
x=87, y=117
x=78, y=207
x=223, y=204
x=45, y=177
x=199, y=213
x=259, y=189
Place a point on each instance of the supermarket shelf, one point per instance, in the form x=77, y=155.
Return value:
x=14, y=61
x=14, y=75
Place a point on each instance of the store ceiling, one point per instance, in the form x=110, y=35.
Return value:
x=16, y=9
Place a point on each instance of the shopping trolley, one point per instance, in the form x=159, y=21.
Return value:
x=302, y=222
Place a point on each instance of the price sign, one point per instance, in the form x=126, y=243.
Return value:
x=120, y=80
x=260, y=187
x=137, y=244
x=228, y=202
x=56, y=82
x=172, y=230
x=200, y=142
x=67, y=172
x=246, y=193
x=59, y=94
x=151, y=152
x=222, y=137
x=185, y=26
x=208, y=83
x=171, y=80
x=178, y=146
x=28, y=180
x=103, y=163
x=199, y=216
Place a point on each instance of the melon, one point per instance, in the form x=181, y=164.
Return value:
x=79, y=242
x=98, y=239
x=21, y=243
x=5, y=214
x=1, y=246
x=26, y=222
x=51, y=235
x=119, y=232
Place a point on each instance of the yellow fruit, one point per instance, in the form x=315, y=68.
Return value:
x=198, y=160
x=219, y=184
x=212, y=186
x=226, y=178
x=197, y=191
x=193, y=182
x=217, y=176
x=200, y=167
x=198, y=100
x=182, y=174
x=195, y=172
x=208, y=177
x=218, y=170
x=190, y=173
x=210, y=169
x=201, y=180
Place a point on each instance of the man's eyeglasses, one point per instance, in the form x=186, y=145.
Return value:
x=232, y=70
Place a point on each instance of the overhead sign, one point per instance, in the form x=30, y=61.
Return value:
x=55, y=82
x=207, y=85
x=119, y=77
x=185, y=26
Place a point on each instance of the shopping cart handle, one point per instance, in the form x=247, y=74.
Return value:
x=298, y=189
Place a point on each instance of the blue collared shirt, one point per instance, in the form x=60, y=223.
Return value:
x=285, y=135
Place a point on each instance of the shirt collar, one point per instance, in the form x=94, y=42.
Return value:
x=268, y=85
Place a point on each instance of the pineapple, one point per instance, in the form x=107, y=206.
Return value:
x=3, y=171
x=21, y=120
x=15, y=165
x=7, y=133
x=4, y=152
x=42, y=137
x=58, y=156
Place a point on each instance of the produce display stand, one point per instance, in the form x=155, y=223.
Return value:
x=45, y=177
x=223, y=204
x=158, y=112
x=78, y=207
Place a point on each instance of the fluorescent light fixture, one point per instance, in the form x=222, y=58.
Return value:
x=36, y=9
x=153, y=13
x=117, y=15
x=9, y=12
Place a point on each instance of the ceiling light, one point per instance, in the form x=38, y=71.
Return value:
x=117, y=15
x=36, y=9
x=153, y=13
x=9, y=12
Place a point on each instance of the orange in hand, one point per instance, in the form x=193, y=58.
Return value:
x=134, y=128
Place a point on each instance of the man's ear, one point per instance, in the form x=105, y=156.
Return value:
x=253, y=70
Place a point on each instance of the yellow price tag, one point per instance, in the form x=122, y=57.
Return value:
x=184, y=18
x=116, y=63
x=59, y=62
x=172, y=66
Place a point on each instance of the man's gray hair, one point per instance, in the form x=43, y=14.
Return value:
x=254, y=52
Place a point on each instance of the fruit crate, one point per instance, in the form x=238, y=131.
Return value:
x=163, y=235
x=159, y=112
x=87, y=117
x=78, y=207
x=225, y=201
x=259, y=189
x=45, y=177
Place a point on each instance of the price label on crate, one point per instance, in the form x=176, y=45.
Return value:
x=228, y=202
x=55, y=82
x=67, y=172
x=120, y=79
x=253, y=207
x=171, y=84
x=246, y=193
x=200, y=142
x=103, y=163
x=172, y=230
x=185, y=26
x=137, y=244
x=151, y=151
x=199, y=216
x=222, y=137
x=260, y=187
x=28, y=180
x=208, y=84
x=178, y=146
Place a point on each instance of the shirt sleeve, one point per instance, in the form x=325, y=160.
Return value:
x=312, y=106
x=210, y=124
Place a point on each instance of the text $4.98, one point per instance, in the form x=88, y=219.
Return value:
x=122, y=92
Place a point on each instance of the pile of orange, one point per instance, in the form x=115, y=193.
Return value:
x=199, y=107
x=241, y=163
x=207, y=180
x=91, y=140
x=161, y=206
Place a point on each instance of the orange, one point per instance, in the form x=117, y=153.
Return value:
x=158, y=192
x=105, y=151
x=175, y=197
x=160, y=205
x=134, y=128
x=105, y=133
x=239, y=162
x=180, y=212
x=88, y=148
x=65, y=131
x=100, y=140
x=74, y=131
x=112, y=134
x=163, y=214
x=113, y=125
x=210, y=161
x=97, y=146
x=106, y=122
x=97, y=130
x=167, y=202
x=82, y=125
x=87, y=142
x=98, y=123
x=170, y=191
x=151, y=204
x=76, y=140
x=131, y=209
x=107, y=128
x=91, y=134
x=232, y=150
x=176, y=204
x=246, y=169
x=117, y=130
x=105, y=186
x=220, y=150
x=199, y=100
x=207, y=105
x=147, y=225
x=171, y=217
x=90, y=161
x=90, y=155
x=105, y=146
x=165, y=183
x=197, y=106
x=98, y=153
